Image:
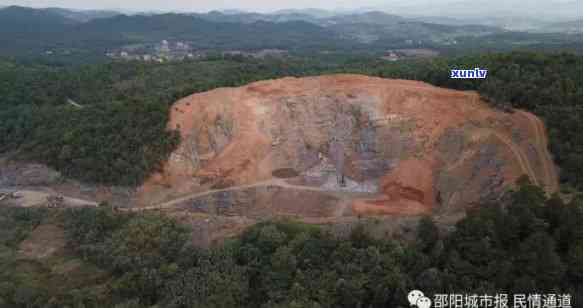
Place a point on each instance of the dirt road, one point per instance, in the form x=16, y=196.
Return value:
x=33, y=198
x=551, y=179
x=520, y=157
x=273, y=182
x=517, y=152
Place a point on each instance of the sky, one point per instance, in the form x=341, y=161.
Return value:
x=208, y=5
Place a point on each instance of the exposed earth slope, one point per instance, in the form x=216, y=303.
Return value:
x=344, y=145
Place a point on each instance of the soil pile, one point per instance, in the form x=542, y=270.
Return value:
x=344, y=145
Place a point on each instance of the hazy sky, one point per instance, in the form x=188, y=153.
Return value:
x=206, y=5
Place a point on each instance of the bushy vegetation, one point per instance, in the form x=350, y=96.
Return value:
x=17, y=224
x=527, y=244
x=56, y=281
x=118, y=135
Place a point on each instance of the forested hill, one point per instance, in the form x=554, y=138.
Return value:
x=119, y=136
x=205, y=34
x=15, y=18
x=33, y=32
x=82, y=38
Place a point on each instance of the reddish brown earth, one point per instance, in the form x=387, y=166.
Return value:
x=405, y=148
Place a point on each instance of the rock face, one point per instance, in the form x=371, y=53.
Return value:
x=344, y=145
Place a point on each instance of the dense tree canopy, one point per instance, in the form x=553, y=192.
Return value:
x=526, y=244
x=107, y=123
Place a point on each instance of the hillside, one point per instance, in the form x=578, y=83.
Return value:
x=344, y=145
x=201, y=32
x=366, y=250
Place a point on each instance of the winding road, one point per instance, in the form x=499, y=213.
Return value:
x=551, y=177
x=273, y=182
x=517, y=153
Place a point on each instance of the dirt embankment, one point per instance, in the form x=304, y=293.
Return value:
x=550, y=178
x=376, y=146
x=367, y=146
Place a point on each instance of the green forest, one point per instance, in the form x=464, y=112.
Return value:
x=115, y=132
x=527, y=244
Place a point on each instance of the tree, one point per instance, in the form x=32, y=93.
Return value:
x=575, y=262
x=146, y=242
x=427, y=233
x=538, y=260
x=216, y=282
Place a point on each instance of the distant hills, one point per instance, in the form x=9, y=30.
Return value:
x=366, y=28
x=205, y=34
x=83, y=16
x=16, y=18
x=50, y=16
x=518, y=15
x=27, y=31
x=34, y=30
x=543, y=10
x=38, y=30
x=575, y=26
